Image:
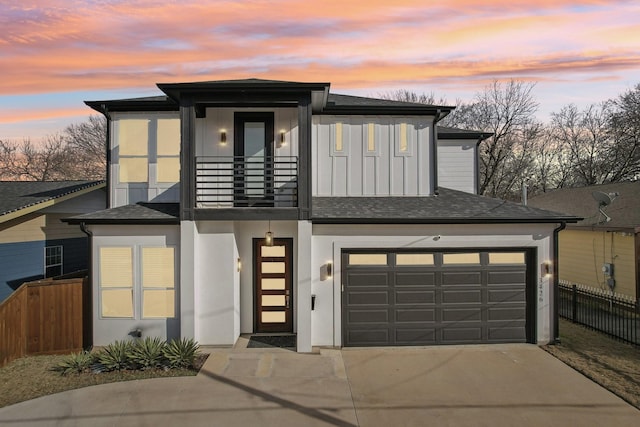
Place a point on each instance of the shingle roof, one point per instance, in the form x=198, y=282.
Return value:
x=450, y=206
x=17, y=195
x=140, y=213
x=624, y=210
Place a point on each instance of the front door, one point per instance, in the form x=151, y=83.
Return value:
x=273, y=278
x=253, y=151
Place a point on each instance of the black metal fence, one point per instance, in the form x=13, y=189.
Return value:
x=614, y=315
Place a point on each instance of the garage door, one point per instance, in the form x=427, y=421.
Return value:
x=424, y=298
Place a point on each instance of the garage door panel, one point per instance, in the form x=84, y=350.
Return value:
x=461, y=297
x=506, y=295
x=507, y=313
x=461, y=279
x=368, y=336
x=415, y=315
x=461, y=335
x=415, y=279
x=415, y=297
x=462, y=315
x=456, y=303
x=368, y=298
x=368, y=279
x=515, y=333
x=368, y=316
x=507, y=277
x=422, y=336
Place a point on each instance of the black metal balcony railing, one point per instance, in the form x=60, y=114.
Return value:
x=233, y=181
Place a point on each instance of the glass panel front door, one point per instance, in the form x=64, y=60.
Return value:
x=253, y=150
x=274, y=298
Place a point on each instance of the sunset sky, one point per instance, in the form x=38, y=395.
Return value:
x=54, y=54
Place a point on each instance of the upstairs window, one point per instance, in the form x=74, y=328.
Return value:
x=52, y=261
x=168, y=146
x=133, y=152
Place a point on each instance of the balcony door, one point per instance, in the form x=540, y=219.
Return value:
x=253, y=151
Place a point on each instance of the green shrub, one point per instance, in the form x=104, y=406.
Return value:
x=115, y=357
x=75, y=363
x=181, y=353
x=147, y=353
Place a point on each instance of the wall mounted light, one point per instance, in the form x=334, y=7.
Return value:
x=283, y=141
x=329, y=270
x=223, y=137
x=545, y=269
x=268, y=236
x=239, y=265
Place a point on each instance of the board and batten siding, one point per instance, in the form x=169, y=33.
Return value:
x=582, y=254
x=457, y=165
x=160, y=127
x=366, y=156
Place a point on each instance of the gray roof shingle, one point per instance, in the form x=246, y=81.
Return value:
x=140, y=213
x=17, y=195
x=624, y=210
x=450, y=206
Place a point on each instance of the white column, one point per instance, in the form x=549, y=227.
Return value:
x=303, y=287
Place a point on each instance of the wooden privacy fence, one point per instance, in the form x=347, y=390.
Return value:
x=45, y=317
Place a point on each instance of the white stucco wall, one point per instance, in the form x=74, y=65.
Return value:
x=330, y=240
x=108, y=330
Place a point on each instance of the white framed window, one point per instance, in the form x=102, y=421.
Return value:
x=403, y=139
x=133, y=151
x=137, y=282
x=53, y=261
x=371, y=140
x=168, y=150
x=340, y=139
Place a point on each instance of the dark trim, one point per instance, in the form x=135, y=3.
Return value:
x=444, y=135
x=108, y=152
x=124, y=221
x=239, y=121
x=637, y=258
x=350, y=221
x=304, y=158
x=531, y=259
x=556, y=282
x=433, y=154
x=476, y=161
x=87, y=294
x=137, y=105
x=187, y=161
x=288, y=243
x=245, y=214
x=384, y=110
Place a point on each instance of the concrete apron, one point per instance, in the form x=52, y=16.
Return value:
x=510, y=385
x=479, y=385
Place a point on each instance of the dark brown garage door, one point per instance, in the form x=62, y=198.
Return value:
x=424, y=298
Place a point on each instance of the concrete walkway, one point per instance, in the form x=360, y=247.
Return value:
x=458, y=385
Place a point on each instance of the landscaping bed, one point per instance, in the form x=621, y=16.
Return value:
x=610, y=363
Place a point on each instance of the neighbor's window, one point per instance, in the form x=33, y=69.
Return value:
x=168, y=166
x=133, y=141
x=116, y=282
x=52, y=261
x=158, y=282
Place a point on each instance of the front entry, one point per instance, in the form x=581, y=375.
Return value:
x=273, y=269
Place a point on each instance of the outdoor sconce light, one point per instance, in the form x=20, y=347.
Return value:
x=545, y=269
x=329, y=270
x=283, y=141
x=268, y=236
x=223, y=137
x=239, y=265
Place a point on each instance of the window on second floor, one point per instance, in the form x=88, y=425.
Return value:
x=145, y=142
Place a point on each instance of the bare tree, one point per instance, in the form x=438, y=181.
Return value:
x=507, y=111
x=76, y=153
x=87, y=141
x=424, y=98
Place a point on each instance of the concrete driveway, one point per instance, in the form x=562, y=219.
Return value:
x=458, y=385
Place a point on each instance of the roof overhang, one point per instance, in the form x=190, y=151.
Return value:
x=48, y=203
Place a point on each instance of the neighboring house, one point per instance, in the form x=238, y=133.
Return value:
x=258, y=206
x=34, y=242
x=595, y=252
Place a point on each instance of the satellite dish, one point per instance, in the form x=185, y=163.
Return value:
x=604, y=200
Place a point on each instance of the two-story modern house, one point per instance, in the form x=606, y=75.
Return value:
x=258, y=206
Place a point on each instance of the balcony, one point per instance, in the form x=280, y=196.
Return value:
x=249, y=182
